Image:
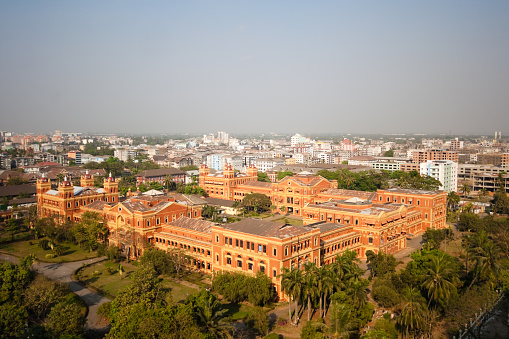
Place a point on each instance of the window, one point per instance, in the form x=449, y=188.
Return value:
x=217, y=257
x=217, y=238
x=286, y=251
x=226, y=240
x=262, y=269
x=274, y=251
x=274, y=273
x=237, y=242
x=426, y=216
x=418, y=202
x=248, y=245
x=231, y=241
x=356, y=221
x=229, y=261
x=264, y=249
x=259, y=248
x=250, y=266
x=252, y=246
x=242, y=244
x=239, y=263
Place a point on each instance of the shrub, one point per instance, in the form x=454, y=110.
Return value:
x=44, y=244
x=58, y=250
x=49, y=256
x=386, y=296
x=273, y=336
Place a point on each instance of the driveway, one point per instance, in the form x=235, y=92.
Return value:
x=63, y=272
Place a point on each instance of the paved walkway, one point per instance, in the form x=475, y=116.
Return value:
x=63, y=272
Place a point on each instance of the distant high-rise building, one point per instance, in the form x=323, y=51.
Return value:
x=223, y=137
x=445, y=171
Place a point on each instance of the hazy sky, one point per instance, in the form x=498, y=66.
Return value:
x=255, y=66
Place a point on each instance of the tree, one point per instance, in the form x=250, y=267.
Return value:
x=381, y=263
x=486, y=255
x=41, y=294
x=389, y=153
x=465, y=189
x=16, y=181
x=161, y=260
x=341, y=323
x=441, y=280
x=453, y=200
x=287, y=286
x=209, y=313
x=256, y=201
x=500, y=203
x=284, y=174
x=262, y=176
x=258, y=320
x=413, y=313
x=433, y=238
x=309, y=289
x=12, y=227
x=65, y=319
x=324, y=286
x=90, y=231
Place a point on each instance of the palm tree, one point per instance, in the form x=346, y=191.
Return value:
x=441, y=280
x=357, y=292
x=298, y=283
x=465, y=189
x=453, y=199
x=310, y=284
x=287, y=286
x=413, y=312
x=324, y=286
x=486, y=255
x=341, y=324
x=209, y=313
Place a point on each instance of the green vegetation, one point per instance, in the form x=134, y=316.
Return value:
x=34, y=306
x=371, y=180
x=237, y=287
x=256, y=202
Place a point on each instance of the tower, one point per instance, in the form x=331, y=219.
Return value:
x=66, y=189
x=87, y=180
x=228, y=172
x=252, y=171
x=111, y=188
x=43, y=185
x=204, y=171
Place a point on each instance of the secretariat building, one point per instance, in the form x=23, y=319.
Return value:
x=334, y=220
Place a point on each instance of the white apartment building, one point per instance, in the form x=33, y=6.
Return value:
x=266, y=164
x=123, y=154
x=445, y=171
x=298, y=139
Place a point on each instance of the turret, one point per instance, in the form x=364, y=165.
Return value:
x=43, y=185
x=66, y=189
x=87, y=180
x=110, y=185
x=204, y=171
x=252, y=171
x=228, y=171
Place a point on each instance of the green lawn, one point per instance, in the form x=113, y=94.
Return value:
x=290, y=221
x=26, y=247
x=237, y=311
x=109, y=282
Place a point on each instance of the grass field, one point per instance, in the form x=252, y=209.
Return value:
x=105, y=278
x=26, y=247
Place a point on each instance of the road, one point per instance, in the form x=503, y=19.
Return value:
x=63, y=272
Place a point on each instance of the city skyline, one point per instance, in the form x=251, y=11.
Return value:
x=247, y=68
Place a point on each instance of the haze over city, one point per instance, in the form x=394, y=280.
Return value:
x=252, y=67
